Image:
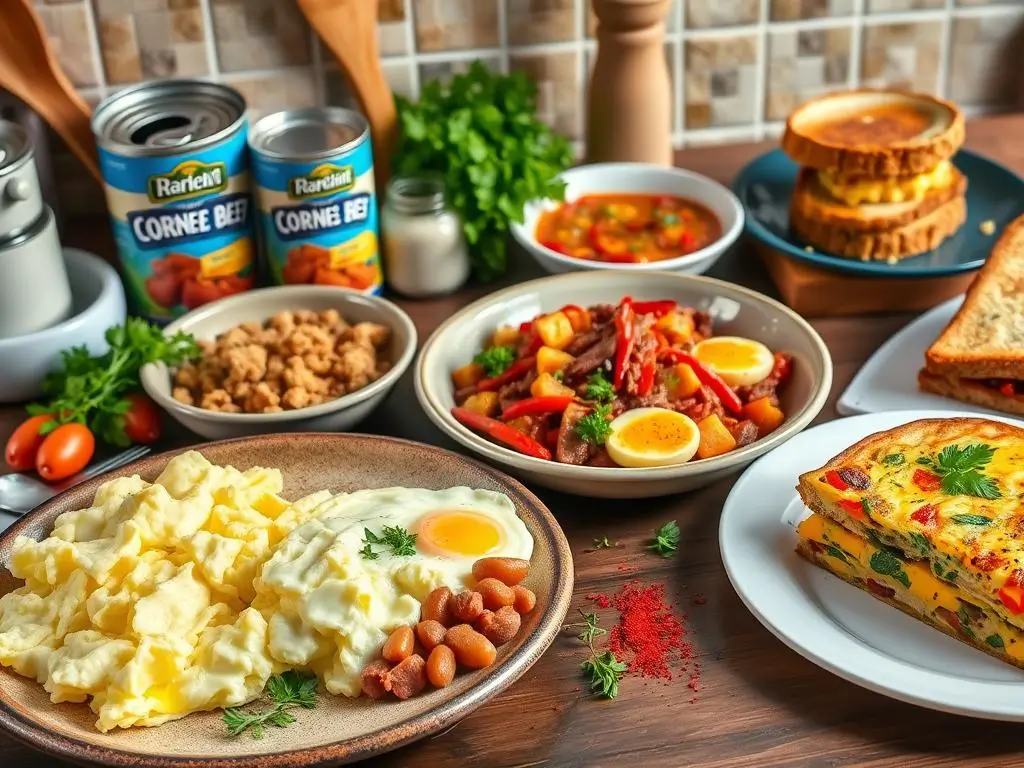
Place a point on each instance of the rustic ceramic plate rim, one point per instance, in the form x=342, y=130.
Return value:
x=440, y=717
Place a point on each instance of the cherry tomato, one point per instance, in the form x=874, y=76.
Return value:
x=65, y=451
x=142, y=421
x=23, y=445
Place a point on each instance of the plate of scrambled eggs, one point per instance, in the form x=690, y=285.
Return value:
x=137, y=609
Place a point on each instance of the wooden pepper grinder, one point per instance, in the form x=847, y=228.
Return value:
x=629, y=104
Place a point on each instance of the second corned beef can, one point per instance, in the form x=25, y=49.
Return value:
x=313, y=169
x=175, y=170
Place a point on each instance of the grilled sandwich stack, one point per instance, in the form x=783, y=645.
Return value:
x=979, y=358
x=926, y=517
x=877, y=182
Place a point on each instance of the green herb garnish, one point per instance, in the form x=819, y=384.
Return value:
x=971, y=519
x=496, y=360
x=836, y=552
x=93, y=390
x=594, y=427
x=603, y=543
x=401, y=542
x=965, y=621
x=960, y=470
x=885, y=563
x=599, y=388
x=666, y=539
x=604, y=670
x=481, y=133
x=920, y=541
x=996, y=641
x=287, y=691
x=893, y=460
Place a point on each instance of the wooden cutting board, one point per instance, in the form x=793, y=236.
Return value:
x=816, y=292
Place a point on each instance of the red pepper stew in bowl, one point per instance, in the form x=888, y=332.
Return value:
x=628, y=228
x=640, y=384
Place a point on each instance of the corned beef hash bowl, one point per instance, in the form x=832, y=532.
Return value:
x=623, y=385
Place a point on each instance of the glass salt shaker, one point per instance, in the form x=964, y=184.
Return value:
x=425, y=252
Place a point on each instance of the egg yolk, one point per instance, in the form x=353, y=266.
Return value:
x=657, y=433
x=457, y=532
x=728, y=354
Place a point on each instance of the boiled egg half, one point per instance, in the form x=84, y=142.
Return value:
x=739, y=362
x=652, y=437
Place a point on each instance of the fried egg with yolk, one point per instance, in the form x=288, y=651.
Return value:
x=739, y=362
x=652, y=437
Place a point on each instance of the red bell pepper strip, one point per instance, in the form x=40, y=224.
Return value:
x=855, y=508
x=533, y=406
x=646, y=383
x=656, y=308
x=782, y=369
x=556, y=247
x=513, y=372
x=1006, y=389
x=832, y=478
x=536, y=342
x=926, y=481
x=707, y=377
x=502, y=433
x=526, y=327
x=625, y=338
x=927, y=515
x=1013, y=598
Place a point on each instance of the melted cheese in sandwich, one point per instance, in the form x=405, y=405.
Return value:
x=912, y=583
x=891, y=190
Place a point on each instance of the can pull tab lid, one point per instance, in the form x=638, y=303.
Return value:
x=169, y=131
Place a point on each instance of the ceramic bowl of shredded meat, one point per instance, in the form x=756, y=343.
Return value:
x=623, y=384
x=294, y=358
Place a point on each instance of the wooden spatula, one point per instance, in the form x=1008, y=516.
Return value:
x=30, y=71
x=349, y=29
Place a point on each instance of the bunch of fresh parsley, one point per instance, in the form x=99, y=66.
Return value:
x=666, y=539
x=92, y=390
x=481, y=132
x=287, y=691
x=960, y=470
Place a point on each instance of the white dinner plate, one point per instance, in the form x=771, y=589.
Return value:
x=832, y=623
x=888, y=380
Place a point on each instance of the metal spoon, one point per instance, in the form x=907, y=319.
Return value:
x=29, y=70
x=20, y=494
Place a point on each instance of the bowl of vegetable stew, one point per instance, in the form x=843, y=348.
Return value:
x=622, y=384
x=632, y=216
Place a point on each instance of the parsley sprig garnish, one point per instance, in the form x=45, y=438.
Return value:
x=666, y=539
x=599, y=388
x=594, y=427
x=959, y=469
x=603, y=543
x=496, y=360
x=401, y=542
x=604, y=669
x=287, y=691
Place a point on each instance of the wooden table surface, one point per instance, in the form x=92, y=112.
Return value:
x=759, y=704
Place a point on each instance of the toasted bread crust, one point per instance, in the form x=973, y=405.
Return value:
x=969, y=392
x=912, y=239
x=805, y=551
x=815, y=203
x=985, y=339
x=897, y=159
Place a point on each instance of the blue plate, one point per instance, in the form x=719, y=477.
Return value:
x=994, y=193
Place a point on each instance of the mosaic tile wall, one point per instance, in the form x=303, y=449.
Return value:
x=738, y=66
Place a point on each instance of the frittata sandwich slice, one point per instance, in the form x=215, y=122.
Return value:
x=928, y=517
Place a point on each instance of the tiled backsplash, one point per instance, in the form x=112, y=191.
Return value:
x=738, y=66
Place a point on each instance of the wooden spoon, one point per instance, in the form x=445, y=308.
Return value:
x=349, y=29
x=29, y=70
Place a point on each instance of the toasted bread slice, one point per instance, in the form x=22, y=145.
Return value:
x=985, y=339
x=914, y=610
x=874, y=134
x=813, y=201
x=970, y=391
x=910, y=239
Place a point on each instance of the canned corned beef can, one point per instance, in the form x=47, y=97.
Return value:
x=175, y=169
x=313, y=171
